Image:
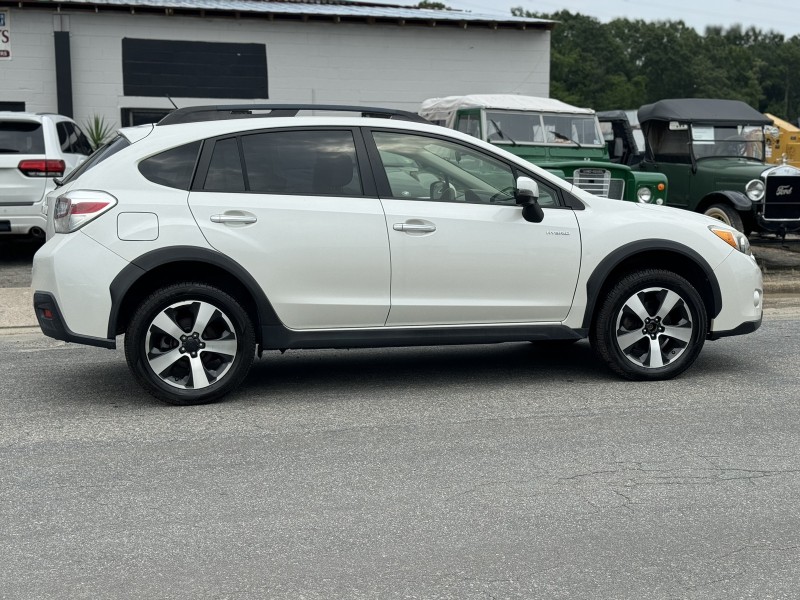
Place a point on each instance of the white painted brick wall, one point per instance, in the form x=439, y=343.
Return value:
x=385, y=65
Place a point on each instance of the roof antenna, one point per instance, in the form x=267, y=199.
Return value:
x=171, y=102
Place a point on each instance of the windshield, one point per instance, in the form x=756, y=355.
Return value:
x=543, y=128
x=740, y=141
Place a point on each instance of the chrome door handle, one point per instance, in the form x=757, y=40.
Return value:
x=244, y=219
x=414, y=227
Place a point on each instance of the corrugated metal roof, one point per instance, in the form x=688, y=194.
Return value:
x=318, y=8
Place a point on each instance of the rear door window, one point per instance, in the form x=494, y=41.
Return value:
x=21, y=137
x=302, y=162
x=321, y=163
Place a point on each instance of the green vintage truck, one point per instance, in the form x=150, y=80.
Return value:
x=565, y=140
x=713, y=153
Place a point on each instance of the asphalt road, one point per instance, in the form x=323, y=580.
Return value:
x=508, y=471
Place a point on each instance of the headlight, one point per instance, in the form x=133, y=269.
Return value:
x=755, y=190
x=644, y=194
x=732, y=238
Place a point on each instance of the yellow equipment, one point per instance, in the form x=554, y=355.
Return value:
x=783, y=142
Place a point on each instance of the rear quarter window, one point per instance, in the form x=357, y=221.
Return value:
x=173, y=168
x=21, y=137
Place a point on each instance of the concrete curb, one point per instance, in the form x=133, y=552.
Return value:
x=16, y=304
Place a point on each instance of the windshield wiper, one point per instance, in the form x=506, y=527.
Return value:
x=500, y=132
x=561, y=136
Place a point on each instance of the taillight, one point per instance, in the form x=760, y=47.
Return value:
x=76, y=208
x=42, y=167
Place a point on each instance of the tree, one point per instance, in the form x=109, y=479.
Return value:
x=624, y=63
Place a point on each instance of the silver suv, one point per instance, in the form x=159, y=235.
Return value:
x=35, y=149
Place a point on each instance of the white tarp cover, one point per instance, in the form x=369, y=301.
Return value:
x=439, y=109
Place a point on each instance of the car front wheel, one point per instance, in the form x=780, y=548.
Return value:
x=651, y=326
x=190, y=343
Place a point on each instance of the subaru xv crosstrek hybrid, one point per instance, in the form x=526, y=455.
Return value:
x=222, y=232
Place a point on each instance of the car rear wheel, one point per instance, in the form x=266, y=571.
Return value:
x=727, y=214
x=190, y=343
x=651, y=326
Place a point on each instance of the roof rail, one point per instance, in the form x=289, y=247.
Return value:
x=195, y=114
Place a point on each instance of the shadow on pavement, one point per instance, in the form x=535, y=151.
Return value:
x=16, y=256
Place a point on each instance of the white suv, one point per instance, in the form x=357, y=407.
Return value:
x=35, y=149
x=218, y=233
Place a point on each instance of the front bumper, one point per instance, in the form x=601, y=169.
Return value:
x=742, y=288
x=747, y=327
x=774, y=226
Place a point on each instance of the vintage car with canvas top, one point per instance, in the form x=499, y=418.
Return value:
x=564, y=139
x=713, y=153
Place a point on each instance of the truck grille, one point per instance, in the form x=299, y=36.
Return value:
x=599, y=183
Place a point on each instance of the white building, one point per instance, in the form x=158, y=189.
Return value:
x=120, y=59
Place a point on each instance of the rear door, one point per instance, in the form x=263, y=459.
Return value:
x=20, y=140
x=297, y=208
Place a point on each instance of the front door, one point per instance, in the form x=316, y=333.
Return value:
x=461, y=251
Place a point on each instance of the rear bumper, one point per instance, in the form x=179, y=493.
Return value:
x=20, y=220
x=71, y=276
x=52, y=323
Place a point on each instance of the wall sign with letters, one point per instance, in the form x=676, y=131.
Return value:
x=5, y=35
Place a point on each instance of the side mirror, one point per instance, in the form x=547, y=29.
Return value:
x=527, y=196
x=527, y=190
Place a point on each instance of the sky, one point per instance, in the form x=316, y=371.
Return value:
x=782, y=16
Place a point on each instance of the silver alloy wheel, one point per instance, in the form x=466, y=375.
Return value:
x=190, y=345
x=654, y=327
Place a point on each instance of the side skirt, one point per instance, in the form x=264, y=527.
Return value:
x=280, y=338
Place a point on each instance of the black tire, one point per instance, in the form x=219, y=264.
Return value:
x=727, y=214
x=190, y=343
x=645, y=311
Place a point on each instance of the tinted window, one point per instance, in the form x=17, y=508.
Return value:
x=173, y=168
x=225, y=170
x=81, y=145
x=302, y=162
x=72, y=139
x=21, y=137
